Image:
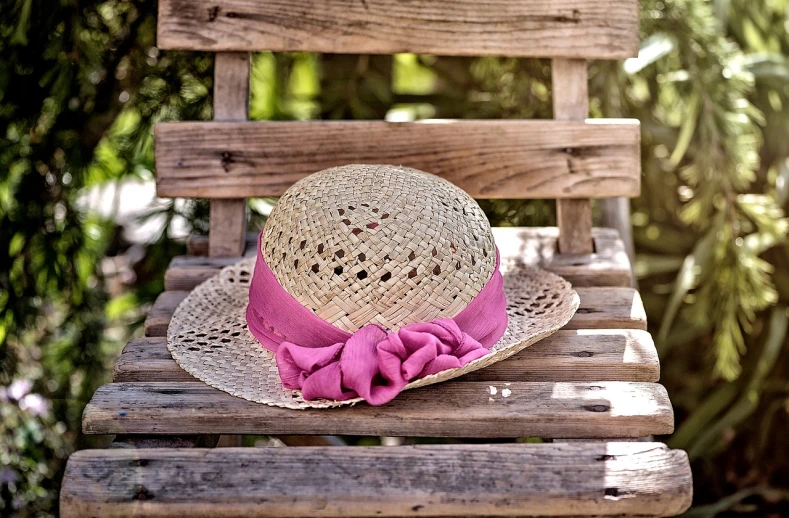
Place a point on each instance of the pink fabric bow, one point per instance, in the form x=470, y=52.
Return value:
x=326, y=362
x=375, y=365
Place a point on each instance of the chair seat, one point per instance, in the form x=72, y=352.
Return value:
x=602, y=479
x=594, y=379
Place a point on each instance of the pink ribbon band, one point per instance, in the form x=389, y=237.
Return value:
x=325, y=362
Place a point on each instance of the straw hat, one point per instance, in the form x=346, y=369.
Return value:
x=356, y=245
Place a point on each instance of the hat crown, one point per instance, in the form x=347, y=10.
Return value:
x=362, y=244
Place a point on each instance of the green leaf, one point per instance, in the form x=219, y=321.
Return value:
x=687, y=130
x=20, y=34
x=686, y=280
x=649, y=265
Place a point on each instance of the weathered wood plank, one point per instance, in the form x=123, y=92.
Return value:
x=231, y=86
x=571, y=102
x=609, y=308
x=186, y=272
x=574, y=218
x=450, y=409
x=616, y=478
x=606, y=29
x=227, y=228
x=228, y=221
x=587, y=355
x=608, y=266
x=488, y=159
x=162, y=311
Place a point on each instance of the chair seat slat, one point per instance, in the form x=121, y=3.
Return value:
x=614, y=478
x=448, y=409
x=587, y=355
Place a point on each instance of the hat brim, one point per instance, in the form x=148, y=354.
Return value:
x=209, y=339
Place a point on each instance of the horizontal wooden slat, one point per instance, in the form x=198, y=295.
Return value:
x=488, y=159
x=615, y=478
x=602, y=29
x=162, y=311
x=608, y=265
x=450, y=409
x=588, y=355
x=609, y=308
x=186, y=272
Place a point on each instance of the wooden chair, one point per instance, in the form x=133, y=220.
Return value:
x=589, y=391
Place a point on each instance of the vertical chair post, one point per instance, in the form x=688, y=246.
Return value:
x=571, y=102
x=228, y=219
x=616, y=214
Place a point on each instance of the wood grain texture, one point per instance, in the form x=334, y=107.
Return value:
x=609, y=308
x=570, y=89
x=228, y=219
x=574, y=219
x=227, y=228
x=584, y=355
x=607, y=266
x=571, y=102
x=231, y=86
x=605, y=29
x=488, y=159
x=613, y=478
x=161, y=312
x=186, y=272
x=450, y=409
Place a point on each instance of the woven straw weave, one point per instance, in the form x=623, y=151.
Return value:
x=361, y=244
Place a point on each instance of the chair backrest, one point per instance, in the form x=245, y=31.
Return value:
x=568, y=158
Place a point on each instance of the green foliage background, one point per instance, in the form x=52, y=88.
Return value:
x=82, y=83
